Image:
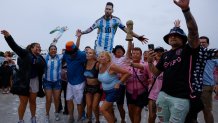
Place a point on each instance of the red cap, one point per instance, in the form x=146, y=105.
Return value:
x=69, y=45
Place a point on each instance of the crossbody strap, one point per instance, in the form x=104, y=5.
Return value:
x=149, y=90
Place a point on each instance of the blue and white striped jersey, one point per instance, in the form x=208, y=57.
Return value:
x=107, y=29
x=53, y=68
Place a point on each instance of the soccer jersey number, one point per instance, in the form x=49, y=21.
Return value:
x=107, y=29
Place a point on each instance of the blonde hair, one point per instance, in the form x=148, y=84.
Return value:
x=94, y=52
x=107, y=54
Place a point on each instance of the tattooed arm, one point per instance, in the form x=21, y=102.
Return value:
x=193, y=36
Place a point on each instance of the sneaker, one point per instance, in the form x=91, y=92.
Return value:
x=57, y=118
x=46, y=119
x=7, y=91
x=33, y=120
x=21, y=121
x=71, y=120
x=4, y=92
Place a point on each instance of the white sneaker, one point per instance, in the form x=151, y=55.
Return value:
x=46, y=119
x=33, y=120
x=57, y=118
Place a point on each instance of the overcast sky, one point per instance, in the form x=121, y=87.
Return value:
x=31, y=20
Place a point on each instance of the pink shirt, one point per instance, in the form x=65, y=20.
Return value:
x=157, y=86
x=133, y=85
x=121, y=62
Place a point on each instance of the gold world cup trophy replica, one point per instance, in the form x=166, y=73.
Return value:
x=129, y=36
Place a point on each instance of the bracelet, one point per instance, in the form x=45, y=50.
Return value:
x=186, y=10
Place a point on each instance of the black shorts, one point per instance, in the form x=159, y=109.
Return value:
x=120, y=99
x=140, y=101
x=92, y=89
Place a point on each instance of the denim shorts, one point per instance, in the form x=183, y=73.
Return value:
x=111, y=95
x=49, y=85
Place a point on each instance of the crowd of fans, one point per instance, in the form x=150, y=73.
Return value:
x=174, y=85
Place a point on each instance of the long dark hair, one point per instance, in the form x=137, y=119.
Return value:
x=118, y=47
x=30, y=46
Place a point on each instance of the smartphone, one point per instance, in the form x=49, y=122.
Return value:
x=150, y=46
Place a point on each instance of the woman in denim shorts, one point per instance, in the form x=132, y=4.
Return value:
x=110, y=83
x=52, y=81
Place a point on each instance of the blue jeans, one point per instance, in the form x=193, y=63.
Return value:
x=171, y=109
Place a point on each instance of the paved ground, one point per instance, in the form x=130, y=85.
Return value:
x=9, y=104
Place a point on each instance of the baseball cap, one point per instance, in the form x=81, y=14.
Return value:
x=70, y=46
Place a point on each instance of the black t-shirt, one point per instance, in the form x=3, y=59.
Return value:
x=177, y=71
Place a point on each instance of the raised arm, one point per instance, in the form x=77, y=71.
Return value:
x=141, y=38
x=60, y=33
x=129, y=49
x=78, y=34
x=13, y=45
x=193, y=36
x=151, y=66
x=90, y=29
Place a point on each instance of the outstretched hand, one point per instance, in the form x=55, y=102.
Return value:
x=143, y=39
x=78, y=33
x=183, y=4
x=5, y=33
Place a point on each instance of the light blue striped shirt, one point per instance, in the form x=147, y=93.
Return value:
x=107, y=29
x=208, y=76
x=53, y=68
